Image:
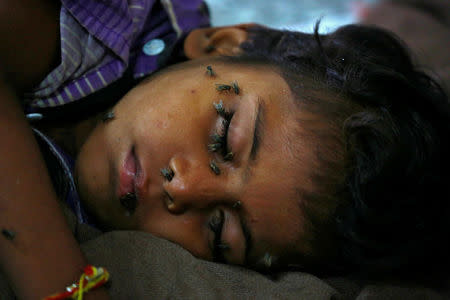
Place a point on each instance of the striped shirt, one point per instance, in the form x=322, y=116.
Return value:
x=61, y=170
x=101, y=39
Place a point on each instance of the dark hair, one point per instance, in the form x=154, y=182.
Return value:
x=383, y=159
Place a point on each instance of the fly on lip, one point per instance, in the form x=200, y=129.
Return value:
x=129, y=202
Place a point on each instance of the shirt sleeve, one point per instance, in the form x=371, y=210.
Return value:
x=102, y=39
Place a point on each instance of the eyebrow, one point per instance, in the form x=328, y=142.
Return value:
x=258, y=133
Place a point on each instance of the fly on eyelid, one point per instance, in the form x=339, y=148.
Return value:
x=214, y=147
x=236, y=88
x=221, y=111
x=214, y=167
x=219, y=107
x=219, y=139
x=229, y=156
x=216, y=138
x=237, y=205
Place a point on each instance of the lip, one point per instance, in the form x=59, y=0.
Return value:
x=130, y=175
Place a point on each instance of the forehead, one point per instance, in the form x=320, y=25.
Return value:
x=223, y=68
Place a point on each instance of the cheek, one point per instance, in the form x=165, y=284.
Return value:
x=172, y=127
x=91, y=167
x=276, y=218
x=275, y=214
x=188, y=231
x=278, y=231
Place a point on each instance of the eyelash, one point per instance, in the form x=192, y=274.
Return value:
x=220, y=139
x=216, y=225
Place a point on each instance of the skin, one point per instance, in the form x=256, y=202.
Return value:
x=168, y=122
x=43, y=243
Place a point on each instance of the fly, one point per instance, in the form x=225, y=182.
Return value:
x=210, y=71
x=236, y=88
x=8, y=234
x=129, y=202
x=223, y=87
x=214, y=167
x=108, y=116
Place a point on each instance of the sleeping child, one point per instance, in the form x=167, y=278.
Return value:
x=245, y=145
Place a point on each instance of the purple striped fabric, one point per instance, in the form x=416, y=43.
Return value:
x=67, y=165
x=101, y=39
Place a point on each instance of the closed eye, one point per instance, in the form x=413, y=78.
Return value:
x=219, y=139
x=216, y=225
x=225, y=125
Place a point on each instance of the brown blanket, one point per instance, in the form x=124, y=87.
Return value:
x=145, y=267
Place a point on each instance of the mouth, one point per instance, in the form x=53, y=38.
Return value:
x=130, y=175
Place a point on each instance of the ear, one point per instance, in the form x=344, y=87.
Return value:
x=215, y=41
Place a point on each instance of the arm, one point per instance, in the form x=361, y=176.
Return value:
x=43, y=258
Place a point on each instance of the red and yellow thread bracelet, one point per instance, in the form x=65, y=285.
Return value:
x=91, y=278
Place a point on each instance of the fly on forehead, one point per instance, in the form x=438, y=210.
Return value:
x=210, y=71
x=108, y=116
x=228, y=87
x=223, y=87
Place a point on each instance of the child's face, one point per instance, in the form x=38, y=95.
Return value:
x=168, y=122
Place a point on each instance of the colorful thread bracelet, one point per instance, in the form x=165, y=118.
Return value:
x=91, y=278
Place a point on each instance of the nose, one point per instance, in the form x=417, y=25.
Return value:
x=195, y=185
